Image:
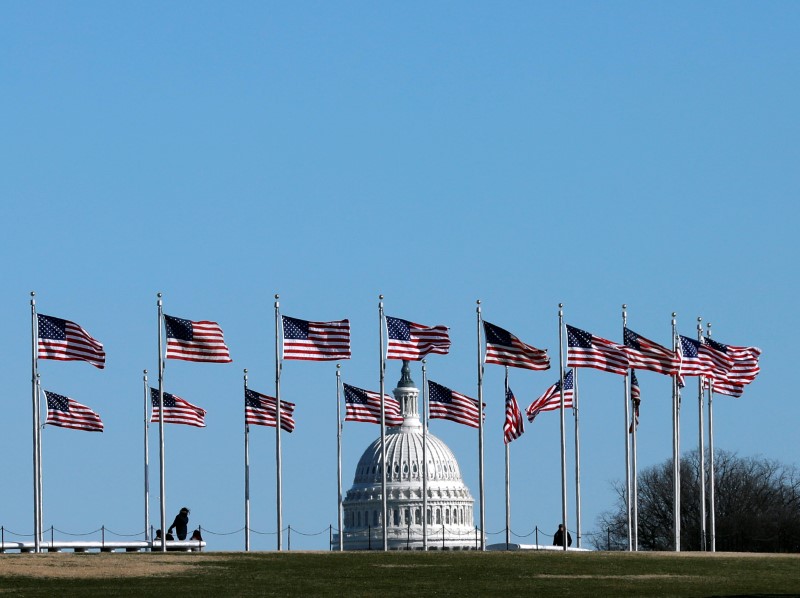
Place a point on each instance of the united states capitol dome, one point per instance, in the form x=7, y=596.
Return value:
x=450, y=521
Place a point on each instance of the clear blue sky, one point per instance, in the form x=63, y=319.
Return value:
x=522, y=153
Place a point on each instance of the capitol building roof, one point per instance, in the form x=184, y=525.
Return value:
x=450, y=521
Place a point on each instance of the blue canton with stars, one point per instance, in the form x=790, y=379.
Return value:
x=57, y=402
x=496, y=335
x=718, y=346
x=169, y=400
x=294, y=328
x=578, y=338
x=251, y=399
x=398, y=329
x=438, y=393
x=690, y=346
x=631, y=339
x=178, y=328
x=52, y=328
x=355, y=395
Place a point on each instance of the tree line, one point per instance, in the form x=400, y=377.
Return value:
x=757, y=507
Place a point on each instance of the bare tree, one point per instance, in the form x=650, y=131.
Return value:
x=757, y=507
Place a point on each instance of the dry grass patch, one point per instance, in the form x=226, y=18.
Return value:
x=96, y=566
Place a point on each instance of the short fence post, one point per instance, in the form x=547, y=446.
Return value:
x=608, y=538
x=330, y=537
x=408, y=537
x=369, y=537
x=289, y=543
x=443, y=536
x=103, y=535
x=2, y=537
x=476, y=537
x=536, y=529
x=51, y=536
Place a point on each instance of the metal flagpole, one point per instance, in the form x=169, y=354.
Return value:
x=563, y=433
x=508, y=479
x=384, y=502
x=577, y=457
x=712, y=506
x=278, y=472
x=635, y=475
x=701, y=447
x=246, y=472
x=162, y=476
x=627, y=401
x=36, y=421
x=424, y=455
x=676, y=445
x=480, y=434
x=41, y=460
x=147, y=403
x=339, y=425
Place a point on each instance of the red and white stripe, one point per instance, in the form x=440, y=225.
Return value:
x=514, y=425
x=207, y=344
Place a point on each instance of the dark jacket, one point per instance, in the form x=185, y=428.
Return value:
x=558, y=538
x=180, y=525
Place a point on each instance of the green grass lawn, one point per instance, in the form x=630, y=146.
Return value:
x=593, y=574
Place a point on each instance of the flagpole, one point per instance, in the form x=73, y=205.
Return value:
x=146, y=460
x=246, y=472
x=41, y=460
x=711, y=481
x=36, y=416
x=563, y=434
x=424, y=455
x=676, y=445
x=577, y=456
x=508, y=478
x=278, y=472
x=626, y=402
x=701, y=447
x=635, y=474
x=480, y=434
x=384, y=502
x=339, y=518
x=162, y=476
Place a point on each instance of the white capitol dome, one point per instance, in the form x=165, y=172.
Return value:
x=450, y=504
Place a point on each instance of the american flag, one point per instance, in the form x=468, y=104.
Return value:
x=514, y=425
x=195, y=341
x=587, y=350
x=66, y=341
x=410, y=341
x=692, y=362
x=503, y=348
x=66, y=413
x=648, y=355
x=551, y=399
x=260, y=410
x=316, y=341
x=177, y=410
x=698, y=358
x=636, y=398
x=365, y=406
x=742, y=372
x=444, y=403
